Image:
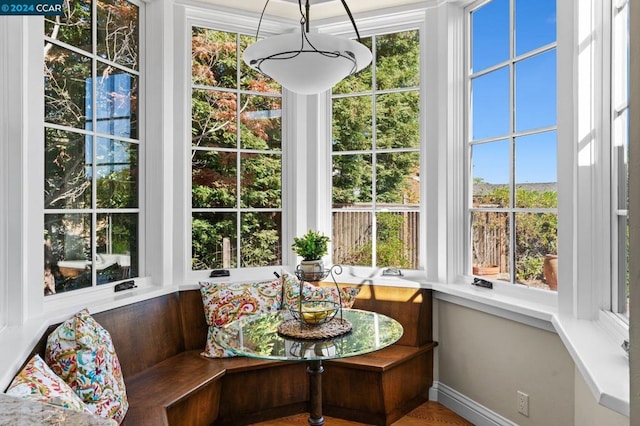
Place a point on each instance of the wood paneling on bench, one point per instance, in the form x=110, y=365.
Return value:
x=158, y=342
x=380, y=387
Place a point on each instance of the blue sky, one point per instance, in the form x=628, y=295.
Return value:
x=534, y=92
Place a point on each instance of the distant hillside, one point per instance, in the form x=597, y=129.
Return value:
x=487, y=188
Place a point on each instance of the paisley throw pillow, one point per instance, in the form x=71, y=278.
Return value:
x=81, y=352
x=310, y=292
x=36, y=381
x=226, y=302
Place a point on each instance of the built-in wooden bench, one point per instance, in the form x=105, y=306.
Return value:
x=168, y=382
x=158, y=342
x=380, y=387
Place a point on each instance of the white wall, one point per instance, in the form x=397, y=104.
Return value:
x=488, y=359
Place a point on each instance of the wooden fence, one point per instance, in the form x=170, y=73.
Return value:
x=490, y=239
x=352, y=230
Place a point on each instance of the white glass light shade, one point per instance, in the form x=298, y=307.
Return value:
x=308, y=68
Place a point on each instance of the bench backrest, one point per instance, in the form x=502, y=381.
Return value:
x=147, y=332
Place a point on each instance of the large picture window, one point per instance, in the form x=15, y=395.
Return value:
x=236, y=156
x=92, y=145
x=512, y=142
x=376, y=157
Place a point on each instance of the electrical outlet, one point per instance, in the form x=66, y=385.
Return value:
x=523, y=403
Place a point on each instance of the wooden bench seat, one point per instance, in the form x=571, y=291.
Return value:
x=384, y=359
x=162, y=393
x=380, y=387
x=189, y=386
x=159, y=341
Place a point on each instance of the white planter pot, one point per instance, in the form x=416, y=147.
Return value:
x=312, y=267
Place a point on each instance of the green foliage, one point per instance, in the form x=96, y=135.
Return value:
x=260, y=235
x=536, y=234
x=207, y=234
x=530, y=268
x=218, y=164
x=311, y=246
x=397, y=126
x=398, y=57
x=391, y=249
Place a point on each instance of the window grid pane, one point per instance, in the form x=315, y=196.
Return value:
x=91, y=145
x=236, y=157
x=512, y=142
x=376, y=158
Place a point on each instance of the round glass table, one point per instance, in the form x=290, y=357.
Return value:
x=257, y=336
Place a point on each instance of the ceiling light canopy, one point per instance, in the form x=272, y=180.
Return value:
x=308, y=63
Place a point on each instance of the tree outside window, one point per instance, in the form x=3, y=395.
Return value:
x=376, y=159
x=236, y=156
x=91, y=81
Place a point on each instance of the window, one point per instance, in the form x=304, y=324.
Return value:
x=512, y=145
x=376, y=158
x=619, y=154
x=92, y=145
x=236, y=157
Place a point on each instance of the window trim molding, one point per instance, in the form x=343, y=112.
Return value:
x=4, y=166
x=583, y=107
x=619, y=257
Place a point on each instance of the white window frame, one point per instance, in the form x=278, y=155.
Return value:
x=374, y=151
x=228, y=20
x=28, y=312
x=239, y=150
x=94, y=211
x=511, y=136
x=619, y=140
x=405, y=19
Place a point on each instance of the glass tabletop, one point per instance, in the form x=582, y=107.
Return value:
x=257, y=336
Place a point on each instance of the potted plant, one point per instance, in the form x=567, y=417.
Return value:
x=550, y=267
x=490, y=271
x=311, y=247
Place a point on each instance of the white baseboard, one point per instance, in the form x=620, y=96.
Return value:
x=466, y=407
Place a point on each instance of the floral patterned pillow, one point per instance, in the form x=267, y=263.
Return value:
x=81, y=352
x=291, y=286
x=226, y=302
x=36, y=381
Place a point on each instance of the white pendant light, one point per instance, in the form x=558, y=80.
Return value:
x=308, y=63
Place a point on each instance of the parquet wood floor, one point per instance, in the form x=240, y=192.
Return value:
x=427, y=414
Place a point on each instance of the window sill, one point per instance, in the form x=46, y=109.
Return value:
x=599, y=357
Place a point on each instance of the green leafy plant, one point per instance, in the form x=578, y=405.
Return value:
x=311, y=246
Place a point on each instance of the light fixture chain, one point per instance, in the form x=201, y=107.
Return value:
x=353, y=22
x=261, y=16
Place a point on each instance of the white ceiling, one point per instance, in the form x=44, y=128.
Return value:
x=320, y=9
